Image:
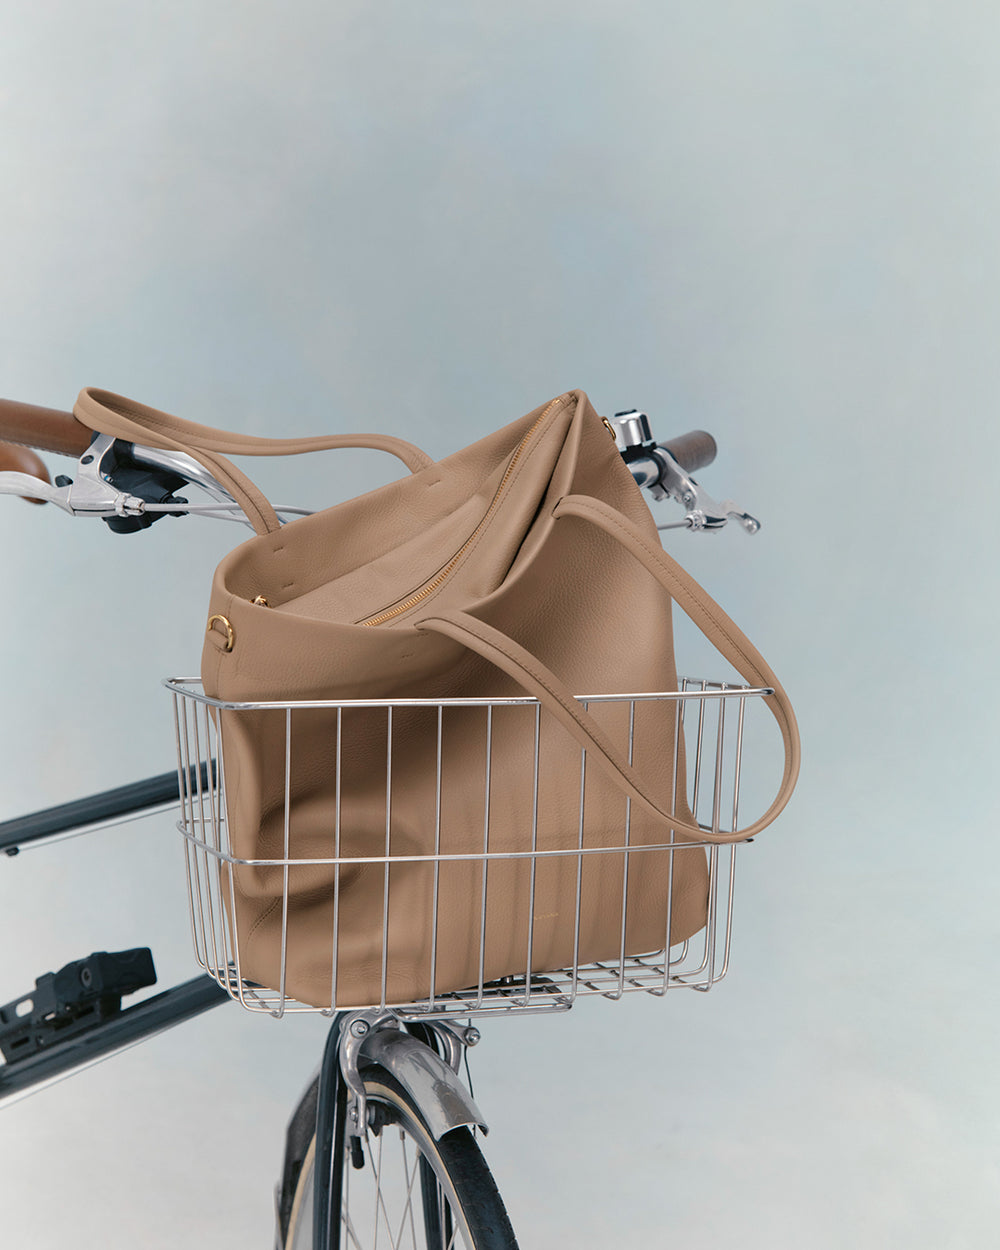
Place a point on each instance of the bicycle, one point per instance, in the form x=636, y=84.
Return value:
x=391, y=1068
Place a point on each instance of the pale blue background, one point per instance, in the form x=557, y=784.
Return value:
x=777, y=221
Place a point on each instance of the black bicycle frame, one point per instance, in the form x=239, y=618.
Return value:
x=51, y=1056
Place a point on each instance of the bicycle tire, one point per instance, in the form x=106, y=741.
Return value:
x=450, y=1174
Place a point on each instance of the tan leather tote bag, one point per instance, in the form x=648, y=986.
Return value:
x=525, y=563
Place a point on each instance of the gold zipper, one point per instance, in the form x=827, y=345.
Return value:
x=436, y=581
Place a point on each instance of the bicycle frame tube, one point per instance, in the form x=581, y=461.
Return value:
x=129, y=802
x=132, y=1025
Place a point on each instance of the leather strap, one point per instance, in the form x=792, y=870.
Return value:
x=137, y=423
x=542, y=683
x=720, y=630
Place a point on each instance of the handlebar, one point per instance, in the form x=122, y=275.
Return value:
x=131, y=486
x=17, y=459
x=49, y=429
x=692, y=451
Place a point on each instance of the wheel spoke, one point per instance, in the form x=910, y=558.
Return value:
x=382, y=1172
x=452, y=1243
x=379, y=1200
x=345, y=1208
x=410, y=1177
x=351, y=1231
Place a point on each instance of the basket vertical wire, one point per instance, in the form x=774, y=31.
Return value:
x=714, y=761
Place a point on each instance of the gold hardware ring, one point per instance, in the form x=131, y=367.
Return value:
x=230, y=632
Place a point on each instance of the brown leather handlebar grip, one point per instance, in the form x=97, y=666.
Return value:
x=47, y=428
x=22, y=460
x=692, y=451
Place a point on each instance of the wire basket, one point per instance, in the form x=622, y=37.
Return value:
x=705, y=753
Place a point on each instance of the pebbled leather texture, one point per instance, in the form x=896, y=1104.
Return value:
x=526, y=563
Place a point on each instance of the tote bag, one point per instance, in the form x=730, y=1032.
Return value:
x=526, y=563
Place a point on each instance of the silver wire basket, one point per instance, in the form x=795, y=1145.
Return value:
x=710, y=718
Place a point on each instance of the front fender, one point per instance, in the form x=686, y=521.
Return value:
x=436, y=1090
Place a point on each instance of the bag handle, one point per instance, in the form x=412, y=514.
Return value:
x=124, y=418
x=542, y=683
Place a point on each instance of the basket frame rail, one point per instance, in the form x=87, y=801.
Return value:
x=710, y=717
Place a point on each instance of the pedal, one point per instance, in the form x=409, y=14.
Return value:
x=78, y=997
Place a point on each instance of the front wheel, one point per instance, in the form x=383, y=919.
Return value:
x=401, y=1188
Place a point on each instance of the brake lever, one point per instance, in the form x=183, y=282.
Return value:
x=90, y=493
x=703, y=512
x=86, y=495
x=657, y=470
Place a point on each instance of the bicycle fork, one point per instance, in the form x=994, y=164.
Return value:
x=412, y=1055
